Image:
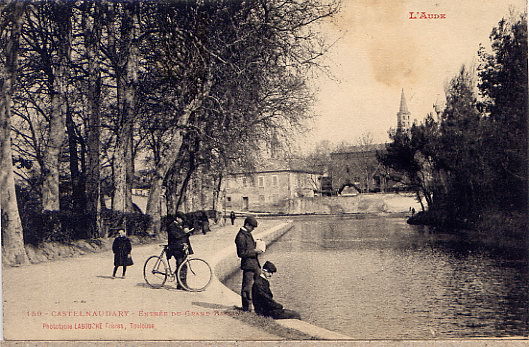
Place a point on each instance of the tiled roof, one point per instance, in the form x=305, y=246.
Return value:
x=280, y=165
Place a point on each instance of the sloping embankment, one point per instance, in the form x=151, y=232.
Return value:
x=225, y=264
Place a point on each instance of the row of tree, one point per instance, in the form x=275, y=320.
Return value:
x=184, y=88
x=470, y=159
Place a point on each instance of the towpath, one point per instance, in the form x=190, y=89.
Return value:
x=51, y=301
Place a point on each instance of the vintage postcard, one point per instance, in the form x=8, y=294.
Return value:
x=264, y=170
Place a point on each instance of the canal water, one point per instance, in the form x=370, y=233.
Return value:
x=379, y=278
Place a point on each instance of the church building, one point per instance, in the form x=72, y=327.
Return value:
x=358, y=167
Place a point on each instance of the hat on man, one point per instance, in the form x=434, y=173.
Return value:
x=270, y=267
x=180, y=215
x=251, y=220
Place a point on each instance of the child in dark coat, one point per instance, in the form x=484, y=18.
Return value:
x=121, y=248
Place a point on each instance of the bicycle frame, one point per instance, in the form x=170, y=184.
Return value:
x=164, y=254
x=163, y=267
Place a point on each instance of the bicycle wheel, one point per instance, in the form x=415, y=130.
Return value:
x=155, y=271
x=194, y=275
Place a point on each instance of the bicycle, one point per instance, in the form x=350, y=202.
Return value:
x=194, y=274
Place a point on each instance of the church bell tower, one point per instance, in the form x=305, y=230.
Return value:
x=403, y=116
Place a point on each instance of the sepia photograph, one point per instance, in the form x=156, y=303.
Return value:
x=264, y=170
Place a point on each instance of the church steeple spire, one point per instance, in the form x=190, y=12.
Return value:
x=403, y=105
x=403, y=116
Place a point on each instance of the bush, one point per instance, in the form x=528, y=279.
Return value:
x=509, y=224
x=66, y=226
x=134, y=223
x=214, y=214
x=28, y=200
x=438, y=218
x=59, y=226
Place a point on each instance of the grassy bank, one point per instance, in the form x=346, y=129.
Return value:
x=269, y=325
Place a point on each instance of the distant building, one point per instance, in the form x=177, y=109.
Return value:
x=267, y=188
x=357, y=166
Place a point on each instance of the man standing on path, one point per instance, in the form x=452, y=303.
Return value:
x=232, y=217
x=179, y=246
x=249, y=262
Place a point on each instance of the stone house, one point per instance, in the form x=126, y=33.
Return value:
x=267, y=189
x=358, y=166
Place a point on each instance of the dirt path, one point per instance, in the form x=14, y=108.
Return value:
x=50, y=301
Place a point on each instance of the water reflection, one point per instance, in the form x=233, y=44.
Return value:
x=379, y=278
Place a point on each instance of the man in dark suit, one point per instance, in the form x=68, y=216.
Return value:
x=179, y=245
x=263, y=299
x=249, y=262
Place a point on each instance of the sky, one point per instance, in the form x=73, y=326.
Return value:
x=379, y=51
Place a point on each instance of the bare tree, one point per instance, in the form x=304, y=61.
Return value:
x=122, y=50
x=92, y=38
x=254, y=66
x=13, y=251
x=60, y=15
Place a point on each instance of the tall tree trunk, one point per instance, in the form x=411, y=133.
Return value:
x=419, y=199
x=184, y=196
x=203, y=187
x=216, y=191
x=171, y=193
x=13, y=251
x=173, y=181
x=56, y=135
x=93, y=184
x=155, y=191
x=130, y=172
x=50, y=171
x=78, y=195
x=127, y=81
x=119, y=201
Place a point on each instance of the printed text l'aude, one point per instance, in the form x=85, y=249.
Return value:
x=426, y=15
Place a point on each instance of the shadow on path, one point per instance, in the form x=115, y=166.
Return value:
x=212, y=305
x=107, y=277
x=171, y=288
x=145, y=285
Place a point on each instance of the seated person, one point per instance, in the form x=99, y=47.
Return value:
x=262, y=296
